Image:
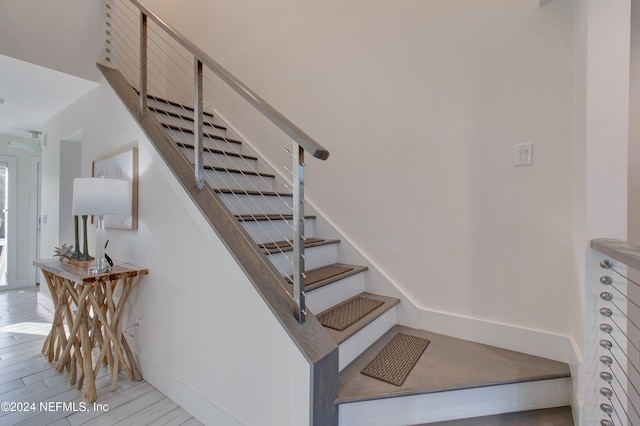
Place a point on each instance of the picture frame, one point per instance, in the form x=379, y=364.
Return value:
x=121, y=165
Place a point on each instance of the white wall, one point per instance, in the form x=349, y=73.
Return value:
x=207, y=339
x=601, y=161
x=24, y=273
x=421, y=104
x=65, y=35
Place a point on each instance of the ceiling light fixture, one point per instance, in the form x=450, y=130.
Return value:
x=28, y=146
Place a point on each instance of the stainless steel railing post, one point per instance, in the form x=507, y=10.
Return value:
x=197, y=123
x=298, y=232
x=143, y=63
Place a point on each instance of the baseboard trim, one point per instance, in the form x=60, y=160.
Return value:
x=191, y=401
x=533, y=342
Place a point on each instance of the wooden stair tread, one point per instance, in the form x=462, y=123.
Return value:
x=447, y=364
x=341, y=336
x=282, y=246
x=251, y=192
x=267, y=217
x=243, y=172
x=172, y=103
x=218, y=151
x=208, y=135
x=183, y=117
x=559, y=416
x=323, y=276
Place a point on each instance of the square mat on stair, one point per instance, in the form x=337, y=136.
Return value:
x=396, y=360
x=322, y=273
x=349, y=312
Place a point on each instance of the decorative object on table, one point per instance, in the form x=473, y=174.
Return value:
x=100, y=197
x=77, y=255
x=122, y=165
x=63, y=252
x=106, y=256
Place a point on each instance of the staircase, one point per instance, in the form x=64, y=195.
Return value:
x=452, y=379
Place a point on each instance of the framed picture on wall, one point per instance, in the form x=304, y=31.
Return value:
x=123, y=165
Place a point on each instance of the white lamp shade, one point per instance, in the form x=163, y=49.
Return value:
x=101, y=196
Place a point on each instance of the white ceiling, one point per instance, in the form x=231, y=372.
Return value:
x=33, y=94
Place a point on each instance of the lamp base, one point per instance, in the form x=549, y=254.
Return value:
x=82, y=257
x=96, y=270
x=101, y=265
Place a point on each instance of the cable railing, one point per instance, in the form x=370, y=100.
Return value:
x=618, y=322
x=176, y=82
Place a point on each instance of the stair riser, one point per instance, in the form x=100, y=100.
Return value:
x=182, y=111
x=457, y=404
x=187, y=137
x=246, y=204
x=188, y=124
x=223, y=180
x=222, y=160
x=323, y=298
x=314, y=258
x=264, y=231
x=356, y=344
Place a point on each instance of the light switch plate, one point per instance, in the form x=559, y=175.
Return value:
x=524, y=154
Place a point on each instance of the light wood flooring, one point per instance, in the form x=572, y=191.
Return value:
x=32, y=392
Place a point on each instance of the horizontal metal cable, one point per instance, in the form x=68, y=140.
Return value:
x=624, y=276
x=127, y=29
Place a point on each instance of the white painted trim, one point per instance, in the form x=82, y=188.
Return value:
x=12, y=229
x=191, y=401
x=458, y=404
x=34, y=162
x=533, y=342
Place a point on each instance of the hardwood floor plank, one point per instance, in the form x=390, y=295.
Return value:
x=174, y=418
x=27, y=376
x=18, y=373
x=48, y=411
x=16, y=339
x=128, y=409
x=150, y=413
x=10, y=386
x=113, y=401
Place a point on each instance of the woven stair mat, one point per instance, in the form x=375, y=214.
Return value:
x=349, y=312
x=322, y=273
x=287, y=244
x=396, y=360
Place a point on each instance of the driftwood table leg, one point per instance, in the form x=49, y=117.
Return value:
x=85, y=344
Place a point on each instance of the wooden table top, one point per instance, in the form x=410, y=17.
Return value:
x=78, y=271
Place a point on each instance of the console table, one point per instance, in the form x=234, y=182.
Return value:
x=99, y=301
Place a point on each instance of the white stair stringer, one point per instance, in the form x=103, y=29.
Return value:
x=456, y=404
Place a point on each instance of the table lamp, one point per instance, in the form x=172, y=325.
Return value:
x=100, y=197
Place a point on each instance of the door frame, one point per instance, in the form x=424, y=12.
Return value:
x=10, y=218
x=35, y=170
